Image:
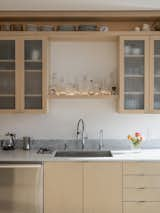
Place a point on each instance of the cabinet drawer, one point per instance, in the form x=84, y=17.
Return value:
x=147, y=194
x=141, y=181
x=141, y=168
x=146, y=207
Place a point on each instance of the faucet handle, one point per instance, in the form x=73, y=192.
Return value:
x=65, y=146
x=100, y=139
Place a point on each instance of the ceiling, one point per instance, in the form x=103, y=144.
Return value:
x=79, y=4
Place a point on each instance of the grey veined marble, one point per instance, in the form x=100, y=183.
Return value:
x=108, y=144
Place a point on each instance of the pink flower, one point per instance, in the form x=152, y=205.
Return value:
x=138, y=134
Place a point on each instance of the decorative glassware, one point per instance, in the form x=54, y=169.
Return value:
x=91, y=88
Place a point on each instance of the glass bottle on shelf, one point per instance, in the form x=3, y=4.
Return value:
x=83, y=85
x=91, y=88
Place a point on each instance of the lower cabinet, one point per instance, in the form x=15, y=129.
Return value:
x=63, y=187
x=141, y=187
x=82, y=187
x=102, y=187
x=142, y=207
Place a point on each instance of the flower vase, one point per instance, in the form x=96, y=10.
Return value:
x=135, y=148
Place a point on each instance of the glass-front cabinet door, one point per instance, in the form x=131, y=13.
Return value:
x=23, y=75
x=34, y=75
x=133, y=74
x=155, y=74
x=7, y=75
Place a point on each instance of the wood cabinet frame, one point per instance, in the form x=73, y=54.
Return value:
x=152, y=39
x=44, y=75
x=63, y=179
x=19, y=74
x=17, y=79
x=121, y=73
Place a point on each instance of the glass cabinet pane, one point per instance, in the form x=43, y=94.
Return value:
x=7, y=74
x=134, y=74
x=33, y=74
x=156, y=74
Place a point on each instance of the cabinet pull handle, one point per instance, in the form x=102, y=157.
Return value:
x=140, y=188
x=141, y=201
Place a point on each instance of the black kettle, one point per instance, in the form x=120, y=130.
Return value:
x=9, y=142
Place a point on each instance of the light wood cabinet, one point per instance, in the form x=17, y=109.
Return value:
x=141, y=192
x=142, y=168
x=139, y=76
x=155, y=74
x=23, y=74
x=134, y=69
x=82, y=187
x=8, y=74
x=63, y=187
x=102, y=187
x=142, y=207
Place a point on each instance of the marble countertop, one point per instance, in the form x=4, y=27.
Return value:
x=121, y=155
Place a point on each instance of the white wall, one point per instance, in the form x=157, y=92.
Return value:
x=79, y=5
x=60, y=121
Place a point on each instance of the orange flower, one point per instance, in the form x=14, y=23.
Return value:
x=129, y=137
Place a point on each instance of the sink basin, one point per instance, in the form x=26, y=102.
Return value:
x=84, y=154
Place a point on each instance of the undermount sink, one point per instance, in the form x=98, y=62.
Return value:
x=83, y=154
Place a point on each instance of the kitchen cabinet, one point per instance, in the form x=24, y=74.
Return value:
x=82, y=187
x=23, y=74
x=63, y=187
x=102, y=187
x=155, y=75
x=141, y=190
x=8, y=74
x=139, y=77
x=134, y=71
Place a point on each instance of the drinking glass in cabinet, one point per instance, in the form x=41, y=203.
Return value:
x=134, y=66
x=134, y=47
x=33, y=50
x=33, y=74
x=134, y=101
x=134, y=74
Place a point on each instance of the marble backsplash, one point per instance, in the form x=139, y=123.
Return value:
x=89, y=144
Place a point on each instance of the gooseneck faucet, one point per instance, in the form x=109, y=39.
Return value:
x=80, y=131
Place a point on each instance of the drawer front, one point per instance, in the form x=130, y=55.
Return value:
x=141, y=181
x=136, y=207
x=147, y=194
x=141, y=168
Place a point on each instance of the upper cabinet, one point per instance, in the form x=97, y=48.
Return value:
x=23, y=75
x=155, y=75
x=134, y=67
x=8, y=75
x=35, y=75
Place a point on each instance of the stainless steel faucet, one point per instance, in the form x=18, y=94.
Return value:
x=81, y=132
x=100, y=139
